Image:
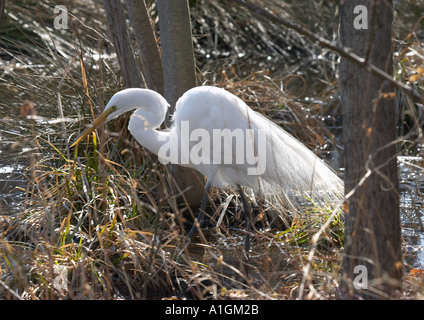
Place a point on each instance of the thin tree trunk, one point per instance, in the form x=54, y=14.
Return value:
x=147, y=45
x=372, y=264
x=118, y=29
x=179, y=76
x=177, y=49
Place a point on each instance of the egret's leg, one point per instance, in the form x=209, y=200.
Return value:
x=201, y=215
x=247, y=212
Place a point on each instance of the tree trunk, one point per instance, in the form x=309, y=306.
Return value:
x=372, y=264
x=177, y=49
x=130, y=67
x=179, y=76
x=147, y=45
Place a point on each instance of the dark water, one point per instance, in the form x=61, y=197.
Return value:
x=14, y=160
x=412, y=187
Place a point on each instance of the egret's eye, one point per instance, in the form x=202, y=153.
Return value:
x=113, y=109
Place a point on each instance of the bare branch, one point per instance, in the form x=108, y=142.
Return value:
x=342, y=51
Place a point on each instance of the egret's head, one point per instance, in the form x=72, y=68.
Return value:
x=128, y=99
x=114, y=108
x=120, y=103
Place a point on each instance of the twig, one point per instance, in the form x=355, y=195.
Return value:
x=59, y=105
x=311, y=254
x=16, y=295
x=342, y=51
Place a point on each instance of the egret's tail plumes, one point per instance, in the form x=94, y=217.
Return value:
x=296, y=170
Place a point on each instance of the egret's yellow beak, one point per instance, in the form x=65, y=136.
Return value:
x=96, y=123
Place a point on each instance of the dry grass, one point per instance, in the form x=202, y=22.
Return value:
x=114, y=230
x=105, y=217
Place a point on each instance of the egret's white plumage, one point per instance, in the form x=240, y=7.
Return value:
x=288, y=167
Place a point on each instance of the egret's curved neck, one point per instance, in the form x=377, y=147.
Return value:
x=145, y=133
x=152, y=103
x=150, y=112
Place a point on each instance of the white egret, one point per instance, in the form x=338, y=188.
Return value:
x=217, y=134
